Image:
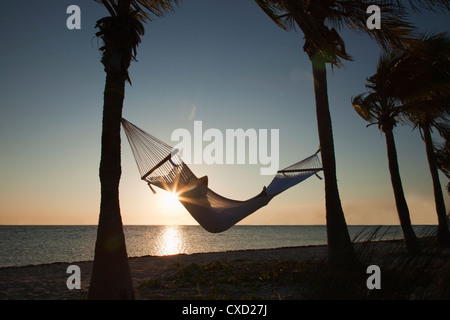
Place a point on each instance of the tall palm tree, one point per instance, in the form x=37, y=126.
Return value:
x=317, y=20
x=425, y=122
x=381, y=106
x=443, y=234
x=427, y=102
x=121, y=33
x=443, y=152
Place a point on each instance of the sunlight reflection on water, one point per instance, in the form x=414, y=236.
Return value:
x=171, y=241
x=22, y=245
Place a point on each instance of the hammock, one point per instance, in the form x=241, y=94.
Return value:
x=160, y=165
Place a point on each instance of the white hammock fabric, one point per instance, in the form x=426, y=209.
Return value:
x=159, y=165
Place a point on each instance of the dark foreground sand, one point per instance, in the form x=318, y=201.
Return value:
x=153, y=277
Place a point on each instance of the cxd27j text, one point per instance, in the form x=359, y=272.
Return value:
x=231, y=309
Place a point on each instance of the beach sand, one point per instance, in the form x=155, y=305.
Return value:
x=176, y=277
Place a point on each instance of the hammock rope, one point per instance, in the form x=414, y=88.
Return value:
x=161, y=165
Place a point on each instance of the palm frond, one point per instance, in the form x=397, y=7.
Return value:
x=144, y=10
x=443, y=127
x=395, y=30
x=423, y=77
x=365, y=108
x=420, y=5
x=274, y=10
x=121, y=32
x=318, y=20
x=426, y=112
x=381, y=101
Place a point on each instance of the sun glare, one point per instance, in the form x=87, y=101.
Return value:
x=171, y=200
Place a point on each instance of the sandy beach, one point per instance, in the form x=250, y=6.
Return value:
x=48, y=281
x=178, y=277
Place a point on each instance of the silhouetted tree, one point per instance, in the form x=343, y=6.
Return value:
x=443, y=152
x=121, y=33
x=381, y=106
x=426, y=100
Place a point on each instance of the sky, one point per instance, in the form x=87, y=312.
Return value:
x=220, y=62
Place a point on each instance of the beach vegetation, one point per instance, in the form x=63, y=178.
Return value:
x=402, y=276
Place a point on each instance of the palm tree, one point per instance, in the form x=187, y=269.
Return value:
x=323, y=45
x=382, y=106
x=425, y=122
x=443, y=234
x=443, y=153
x=427, y=102
x=121, y=33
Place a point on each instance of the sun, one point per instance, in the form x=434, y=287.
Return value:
x=170, y=200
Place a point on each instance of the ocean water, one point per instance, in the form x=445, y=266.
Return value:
x=25, y=245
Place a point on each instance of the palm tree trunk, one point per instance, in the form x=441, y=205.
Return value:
x=340, y=248
x=402, y=208
x=443, y=235
x=111, y=276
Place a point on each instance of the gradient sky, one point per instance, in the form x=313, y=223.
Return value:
x=222, y=62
